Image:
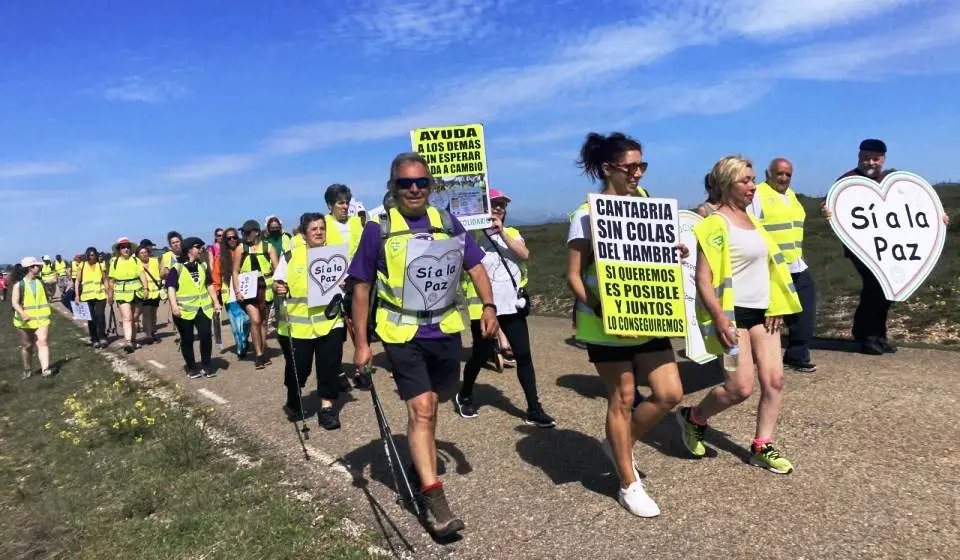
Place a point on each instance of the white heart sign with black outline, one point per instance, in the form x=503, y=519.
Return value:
x=327, y=269
x=432, y=274
x=894, y=227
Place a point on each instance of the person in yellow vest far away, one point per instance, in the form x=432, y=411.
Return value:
x=48, y=274
x=31, y=316
x=414, y=257
x=124, y=283
x=776, y=206
x=193, y=303
x=91, y=288
x=309, y=335
x=174, y=251
x=148, y=296
x=62, y=269
x=616, y=161
x=744, y=290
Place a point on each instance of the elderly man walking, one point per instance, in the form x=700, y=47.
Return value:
x=776, y=206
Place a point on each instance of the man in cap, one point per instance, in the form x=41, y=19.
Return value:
x=870, y=318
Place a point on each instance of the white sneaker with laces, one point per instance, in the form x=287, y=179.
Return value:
x=635, y=500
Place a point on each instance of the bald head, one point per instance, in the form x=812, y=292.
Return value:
x=779, y=173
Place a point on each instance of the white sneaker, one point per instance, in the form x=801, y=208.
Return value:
x=637, y=502
x=608, y=451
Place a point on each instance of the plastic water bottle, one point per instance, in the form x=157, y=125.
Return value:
x=731, y=358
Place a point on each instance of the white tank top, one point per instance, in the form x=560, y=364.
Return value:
x=751, y=275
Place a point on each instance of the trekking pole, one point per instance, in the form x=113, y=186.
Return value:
x=112, y=324
x=304, y=429
x=390, y=450
x=218, y=330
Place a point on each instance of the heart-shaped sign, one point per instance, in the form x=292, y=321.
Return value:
x=435, y=278
x=894, y=227
x=328, y=273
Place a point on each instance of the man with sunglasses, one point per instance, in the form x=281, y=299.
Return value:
x=415, y=254
x=776, y=205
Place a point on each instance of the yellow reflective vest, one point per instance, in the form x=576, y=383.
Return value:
x=125, y=273
x=91, y=282
x=150, y=279
x=192, y=295
x=307, y=322
x=390, y=311
x=266, y=266
x=783, y=220
x=470, y=296
x=48, y=274
x=33, y=300
x=60, y=267
x=356, y=230
x=712, y=239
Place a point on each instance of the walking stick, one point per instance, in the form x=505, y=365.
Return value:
x=304, y=429
x=112, y=324
x=404, y=493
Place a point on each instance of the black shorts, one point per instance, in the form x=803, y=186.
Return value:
x=426, y=364
x=747, y=318
x=148, y=302
x=598, y=354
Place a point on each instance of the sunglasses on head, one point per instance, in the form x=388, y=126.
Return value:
x=405, y=183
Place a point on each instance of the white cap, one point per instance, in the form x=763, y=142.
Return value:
x=27, y=262
x=45, y=257
x=355, y=208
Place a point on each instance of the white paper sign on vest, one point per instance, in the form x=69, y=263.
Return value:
x=248, y=286
x=327, y=269
x=695, y=349
x=432, y=275
x=894, y=227
x=81, y=311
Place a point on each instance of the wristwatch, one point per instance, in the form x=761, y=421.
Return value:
x=491, y=306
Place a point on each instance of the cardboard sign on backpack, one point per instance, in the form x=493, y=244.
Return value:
x=894, y=227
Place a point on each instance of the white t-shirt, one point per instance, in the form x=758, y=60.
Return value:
x=796, y=266
x=344, y=228
x=751, y=275
x=579, y=225
x=504, y=293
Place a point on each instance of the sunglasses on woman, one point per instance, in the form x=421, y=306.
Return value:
x=232, y=238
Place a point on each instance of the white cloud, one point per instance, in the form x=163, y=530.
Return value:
x=213, y=166
x=27, y=169
x=582, y=64
x=137, y=89
x=418, y=24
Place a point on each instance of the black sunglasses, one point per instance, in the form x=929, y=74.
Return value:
x=405, y=183
x=231, y=238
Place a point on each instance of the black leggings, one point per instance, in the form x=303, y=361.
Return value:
x=185, y=328
x=326, y=352
x=98, y=326
x=515, y=328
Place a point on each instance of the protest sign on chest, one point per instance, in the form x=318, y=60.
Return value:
x=326, y=269
x=894, y=227
x=81, y=311
x=248, y=286
x=695, y=349
x=457, y=157
x=638, y=265
x=432, y=275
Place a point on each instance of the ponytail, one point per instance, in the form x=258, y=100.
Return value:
x=598, y=149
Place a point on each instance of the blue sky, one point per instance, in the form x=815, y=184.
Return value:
x=134, y=118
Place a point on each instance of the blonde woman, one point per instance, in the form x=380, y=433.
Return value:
x=31, y=316
x=744, y=290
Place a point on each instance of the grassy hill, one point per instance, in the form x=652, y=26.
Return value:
x=931, y=315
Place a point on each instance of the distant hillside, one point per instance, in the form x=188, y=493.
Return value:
x=932, y=315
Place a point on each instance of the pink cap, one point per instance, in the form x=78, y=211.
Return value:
x=494, y=194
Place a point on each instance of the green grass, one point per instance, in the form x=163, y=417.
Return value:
x=930, y=316
x=85, y=480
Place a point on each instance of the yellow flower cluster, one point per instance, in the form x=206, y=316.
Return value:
x=102, y=409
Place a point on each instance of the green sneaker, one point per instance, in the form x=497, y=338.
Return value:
x=691, y=434
x=767, y=457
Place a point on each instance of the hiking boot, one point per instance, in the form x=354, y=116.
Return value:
x=328, y=418
x=800, y=367
x=691, y=433
x=539, y=418
x=46, y=373
x=465, y=406
x=440, y=521
x=194, y=373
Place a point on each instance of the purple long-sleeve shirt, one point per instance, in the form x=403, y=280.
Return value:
x=369, y=258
